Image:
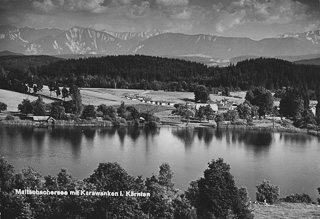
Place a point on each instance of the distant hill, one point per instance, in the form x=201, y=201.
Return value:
x=21, y=62
x=309, y=61
x=8, y=53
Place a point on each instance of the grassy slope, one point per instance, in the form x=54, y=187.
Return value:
x=286, y=210
x=13, y=99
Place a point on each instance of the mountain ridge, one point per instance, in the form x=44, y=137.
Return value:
x=79, y=40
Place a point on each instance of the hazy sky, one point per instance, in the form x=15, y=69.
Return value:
x=255, y=19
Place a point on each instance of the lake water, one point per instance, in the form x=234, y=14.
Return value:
x=291, y=161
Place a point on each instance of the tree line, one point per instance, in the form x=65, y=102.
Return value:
x=145, y=72
x=214, y=195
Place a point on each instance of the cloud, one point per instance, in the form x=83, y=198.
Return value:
x=94, y=6
x=226, y=21
x=45, y=6
x=185, y=15
x=172, y=3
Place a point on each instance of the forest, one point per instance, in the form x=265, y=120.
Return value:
x=155, y=73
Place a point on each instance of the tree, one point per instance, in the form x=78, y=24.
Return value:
x=57, y=111
x=108, y=111
x=218, y=118
x=187, y=114
x=88, y=112
x=215, y=194
x=6, y=174
x=231, y=115
x=201, y=94
x=262, y=98
x=25, y=107
x=307, y=118
x=267, y=192
x=39, y=107
x=208, y=112
x=165, y=175
x=3, y=107
x=58, y=91
x=133, y=113
x=291, y=104
x=65, y=93
x=121, y=109
x=244, y=110
x=200, y=113
x=76, y=100
x=51, y=86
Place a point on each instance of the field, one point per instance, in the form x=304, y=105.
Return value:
x=13, y=99
x=97, y=96
x=286, y=210
x=114, y=97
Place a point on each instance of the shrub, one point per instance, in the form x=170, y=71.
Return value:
x=10, y=117
x=3, y=107
x=267, y=192
x=297, y=198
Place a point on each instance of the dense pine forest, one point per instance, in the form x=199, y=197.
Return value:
x=145, y=72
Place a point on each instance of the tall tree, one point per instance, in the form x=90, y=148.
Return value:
x=57, y=110
x=291, y=104
x=88, y=112
x=76, y=100
x=261, y=98
x=65, y=93
x=216, y=195
x=25, y=107
x=39, y=107
x=201, y=94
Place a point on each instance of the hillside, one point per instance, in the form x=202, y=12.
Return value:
x=13, y=99
x=22, y=62
x=286, y=210
x=309, y=61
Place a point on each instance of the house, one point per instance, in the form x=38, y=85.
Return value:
x=43, y=120
x=225, y=106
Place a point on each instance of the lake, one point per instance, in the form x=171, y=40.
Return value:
x=291, y=161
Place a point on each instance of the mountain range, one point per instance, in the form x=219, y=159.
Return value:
x=202, y=48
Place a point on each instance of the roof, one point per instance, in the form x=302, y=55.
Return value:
x=41, y=118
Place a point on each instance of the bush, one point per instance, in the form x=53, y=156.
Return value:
x=10, y=117
x=297, y=198
x=3, y=107
x=267, y=192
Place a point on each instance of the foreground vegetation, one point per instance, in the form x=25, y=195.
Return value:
x=214, y=195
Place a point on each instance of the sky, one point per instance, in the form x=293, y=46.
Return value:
x=255, y=19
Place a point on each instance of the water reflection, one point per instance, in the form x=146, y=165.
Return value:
x=295, y=139
x=122, y=132
x=107, y=132
x=257, y=142
x=186, y=135
x=134, y=133
x=89, y=133
x=205, y=134
x=70, y=136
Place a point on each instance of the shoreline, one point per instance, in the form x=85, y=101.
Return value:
x=85, y=123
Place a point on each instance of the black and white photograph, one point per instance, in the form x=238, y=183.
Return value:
x=159, y=109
